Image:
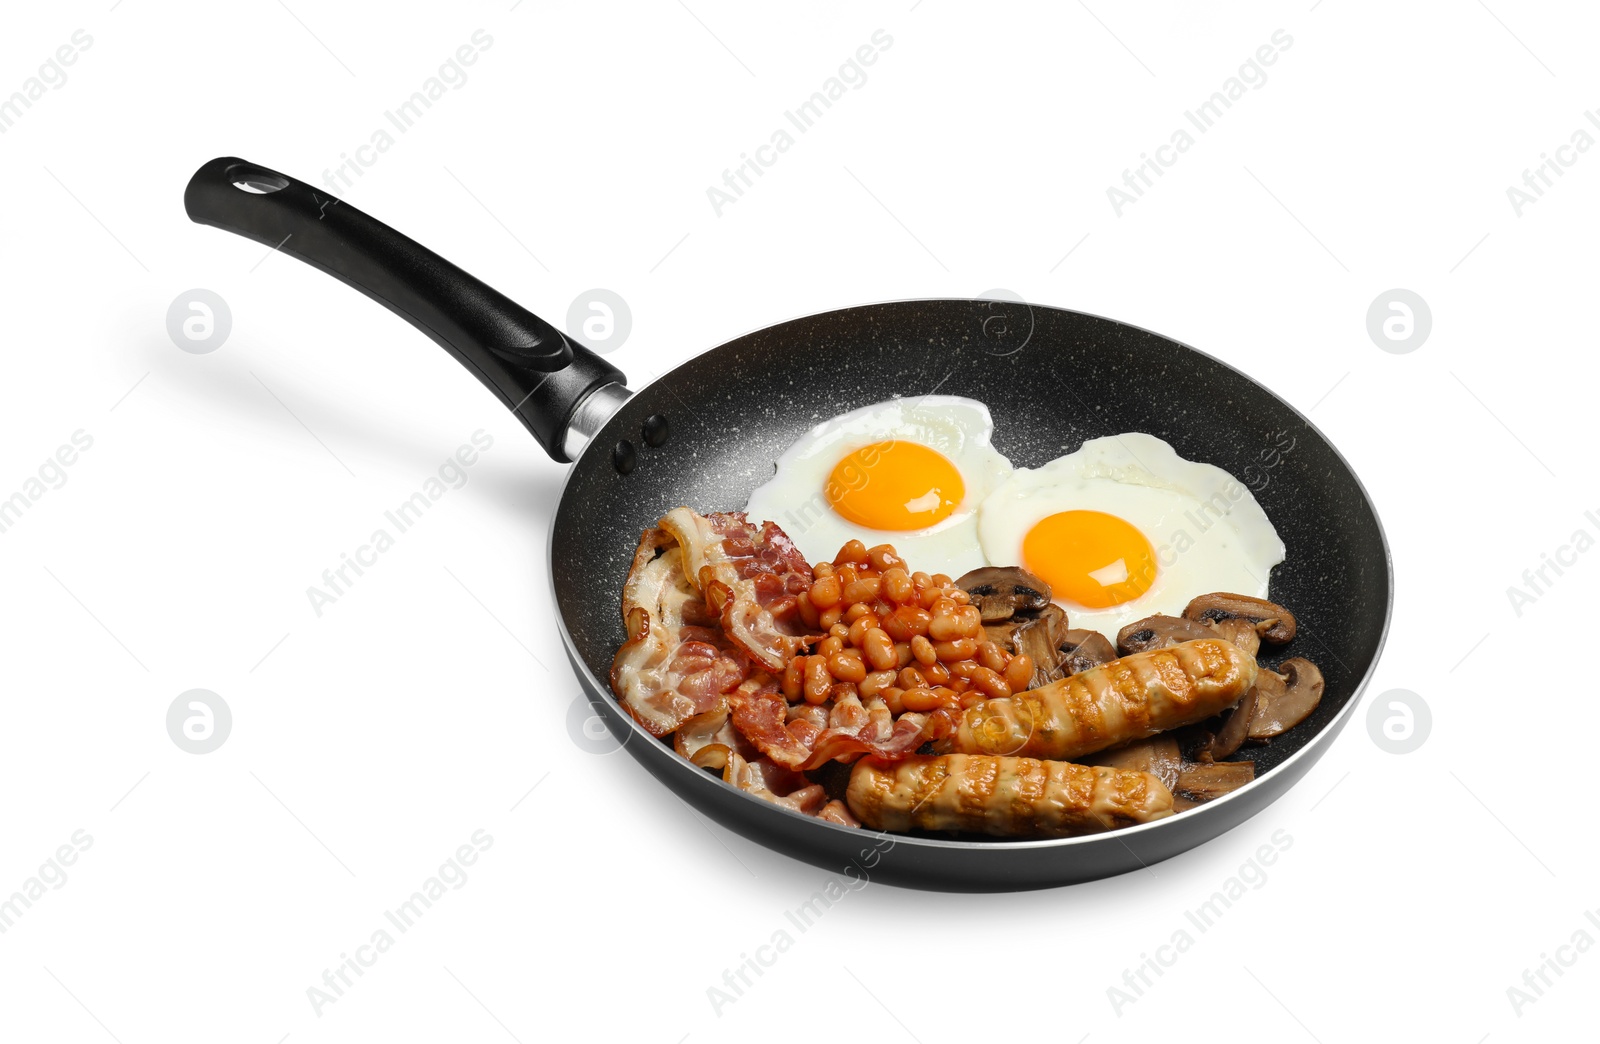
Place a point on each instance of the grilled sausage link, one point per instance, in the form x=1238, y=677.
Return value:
x=1117, y=702
x=1005, y=797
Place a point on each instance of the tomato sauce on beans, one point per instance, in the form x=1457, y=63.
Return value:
x=909, y=638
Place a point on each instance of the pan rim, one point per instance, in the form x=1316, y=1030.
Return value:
x=1200, y=813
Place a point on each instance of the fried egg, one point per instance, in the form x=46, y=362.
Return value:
x=1125, y=528
x=908, y=472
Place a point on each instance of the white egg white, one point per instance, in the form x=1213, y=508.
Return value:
x=1207, y=530
x=959, y=428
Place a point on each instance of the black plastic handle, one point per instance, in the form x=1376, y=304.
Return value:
x=537, y=372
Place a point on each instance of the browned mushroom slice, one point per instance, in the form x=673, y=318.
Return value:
x=1239, y=631
x=1273, y=622
x=1286, y=699
x=1203, y=782
x=1158, y=632
x=1083, y=649
x=1000, y=592
x=1039, y=636
x=1227, y=740
x=1157, y=755
x=1040, y=641
x=1007, y=634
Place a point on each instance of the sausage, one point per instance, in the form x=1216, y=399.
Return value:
x=1117, y=702
x=1004, y=797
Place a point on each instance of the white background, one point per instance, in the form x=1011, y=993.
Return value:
x=369, y=743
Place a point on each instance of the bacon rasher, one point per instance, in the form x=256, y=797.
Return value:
x=676, y=663
x=847, y=729
x=711, y=741
x=751, y=577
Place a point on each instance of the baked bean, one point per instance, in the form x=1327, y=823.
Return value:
x=956, y=621
x=930, y=597
x=960, y=684
x=830, y=645
x=825, y=592
x=962, y=668
x=794, y=679
x=921, y=581
x=921, y=700
x=897, y=585
x=905, y=621
x=859, y=629
x=991, y=683
x=947, y=697
x=971, y=618
x=829, y=617
x=991, y=656
x=936, y=673
x=857, y=610
x=839, y=631
x=854, y=551
x=808, y=612
x=891, y=699
x=1019, y=672
x=902, y=653
x=947, y=625
x=883, y=557
x=879, y=649
x=959, y=649
x=818, y=681
x=922, y=649
x=876, y=682
x=909, y=678
x=822, y=569
x=847, y=666
x=971, y=698
x=940, y=580
x=863, y=590
x=847, y=575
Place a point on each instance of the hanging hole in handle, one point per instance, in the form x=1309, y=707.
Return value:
x=255, y=181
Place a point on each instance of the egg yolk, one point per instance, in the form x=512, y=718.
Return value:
x=895, y=485
x=1090, y=557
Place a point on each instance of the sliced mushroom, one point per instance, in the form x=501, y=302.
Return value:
x=1049, y=623
x=1158, y=632
x=1227, y=740
x=1038, y=636
x=1082, y=650
x=1041, y=641
x=1000, y=592
x=1157, y=755
x=1286, y=699
x=1239, y=631
x=1203, y=782
x=1269, y=687
x=1057, y=651
x=1273, y=622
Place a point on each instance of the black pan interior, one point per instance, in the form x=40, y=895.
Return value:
x=1052, y=379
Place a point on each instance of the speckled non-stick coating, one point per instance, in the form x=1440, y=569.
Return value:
x=1052, y=379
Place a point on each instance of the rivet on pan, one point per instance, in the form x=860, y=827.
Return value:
x=655, y=429
x=624, y=457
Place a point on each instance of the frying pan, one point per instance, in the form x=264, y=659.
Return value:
x=707, y=433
